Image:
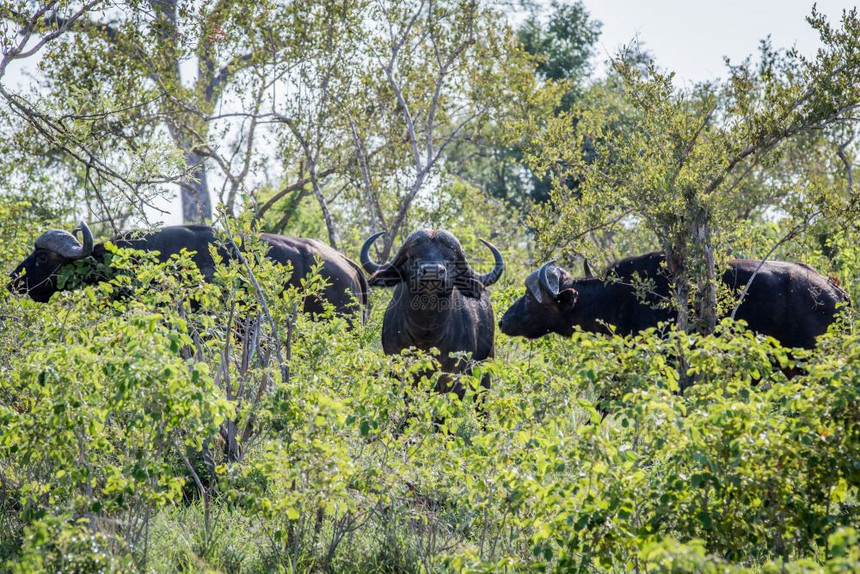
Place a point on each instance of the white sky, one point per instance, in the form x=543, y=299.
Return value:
x=690, y=37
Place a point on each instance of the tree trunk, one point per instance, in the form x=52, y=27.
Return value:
x=329, y=221
x=196, y=202
x=706, y=295
x=290, y=211
x=229, y=432
x=692, y=269
x=690, y=260
x=402, y=214
x=676, y=262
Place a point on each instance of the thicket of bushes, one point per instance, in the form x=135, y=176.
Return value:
x=116, y=453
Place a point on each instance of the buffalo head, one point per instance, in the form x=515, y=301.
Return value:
x=37, y=274
x=547, y=306
x=433, y=263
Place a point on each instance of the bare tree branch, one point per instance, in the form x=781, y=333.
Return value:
x=787, y=237
x=227, y=71
x=312, y=156
x=389, y=70
x=18, y=52
x=289, y=189
x=372, y=204
x=849, y=171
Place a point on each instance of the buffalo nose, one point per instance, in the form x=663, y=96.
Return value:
x=507, y=325
x=432, y=271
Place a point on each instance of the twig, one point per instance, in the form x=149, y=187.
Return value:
x=840, y=151
x=260, y=295
x=797, y=229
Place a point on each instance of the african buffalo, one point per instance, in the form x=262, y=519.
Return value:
x=346, y=291
x=791, y=302
x=439, y=301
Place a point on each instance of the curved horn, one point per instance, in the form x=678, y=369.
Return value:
x=543, y=281
x=588, y=273
x=498, y=266
x=87, y=237
x=65, y=244
x=364, y=257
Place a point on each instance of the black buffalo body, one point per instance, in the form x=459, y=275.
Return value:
x=791, y=302
x=439, y=302
x=346, y=289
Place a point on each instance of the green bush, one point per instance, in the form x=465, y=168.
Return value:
x=156, y=423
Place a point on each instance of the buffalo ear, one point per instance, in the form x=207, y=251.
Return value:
x=467, y=284
x=567, y=298
x=388, y=276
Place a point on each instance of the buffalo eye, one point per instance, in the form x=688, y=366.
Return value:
x=41, y=258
